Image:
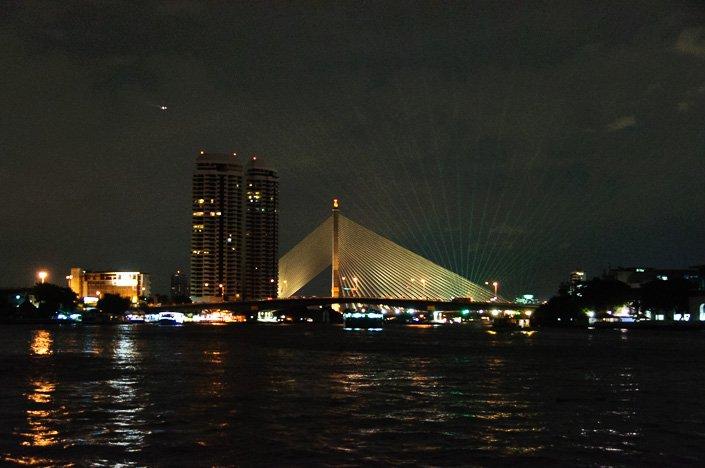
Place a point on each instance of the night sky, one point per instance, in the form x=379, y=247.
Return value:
x=504, y=140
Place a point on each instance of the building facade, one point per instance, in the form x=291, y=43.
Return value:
x=234, y=229
x=179, y=285
x=90, y=286
x=261, y=230
x=576, y=281
x=217, y=228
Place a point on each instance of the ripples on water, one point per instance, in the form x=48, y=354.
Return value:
x=287, y=395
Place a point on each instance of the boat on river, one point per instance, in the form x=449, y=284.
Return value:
x=366, y=318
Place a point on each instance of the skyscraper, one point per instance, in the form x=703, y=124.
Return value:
x=217, y=228
x=261, y=230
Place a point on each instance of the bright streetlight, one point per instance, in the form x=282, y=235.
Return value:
x=42, y=275
x=495, y=285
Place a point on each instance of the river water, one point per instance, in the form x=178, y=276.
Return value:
x=305, y=395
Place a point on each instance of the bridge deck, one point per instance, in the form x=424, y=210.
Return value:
x=284, y=303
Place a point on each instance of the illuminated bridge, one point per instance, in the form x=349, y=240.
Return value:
x=290, y=303
x=366, y=269
x=365, y=264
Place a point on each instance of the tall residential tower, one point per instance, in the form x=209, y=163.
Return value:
x=217, y=228
x=261, y=230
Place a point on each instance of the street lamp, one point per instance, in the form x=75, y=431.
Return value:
x=423, y=282
x=495, y=285
x=356, y=290
x=42, y=275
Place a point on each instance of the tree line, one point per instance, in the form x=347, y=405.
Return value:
x=603, y=296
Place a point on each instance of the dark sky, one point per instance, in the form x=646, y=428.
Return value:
x=510, y=140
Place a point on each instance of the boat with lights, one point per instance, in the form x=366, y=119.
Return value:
x=366, y=318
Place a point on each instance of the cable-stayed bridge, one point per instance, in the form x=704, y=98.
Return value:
x=366, y=268
x=365, y=264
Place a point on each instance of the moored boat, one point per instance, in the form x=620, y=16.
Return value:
x=369, y=319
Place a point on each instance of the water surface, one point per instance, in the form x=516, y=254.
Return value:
x=298, y=395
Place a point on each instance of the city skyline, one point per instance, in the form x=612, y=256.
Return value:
x=512, y=147
x=352, y=233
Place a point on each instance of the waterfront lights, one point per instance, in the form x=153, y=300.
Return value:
x=42, y=275
x=357, y=315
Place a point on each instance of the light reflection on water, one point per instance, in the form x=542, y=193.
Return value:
x=40, y=416
x=140, y=395
x=126, y=426
x=41, y=343
x=40, y=412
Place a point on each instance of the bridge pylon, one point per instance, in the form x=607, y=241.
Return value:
x=335, y=256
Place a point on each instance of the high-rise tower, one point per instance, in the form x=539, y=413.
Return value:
x=217, y=228
x=261, y=230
